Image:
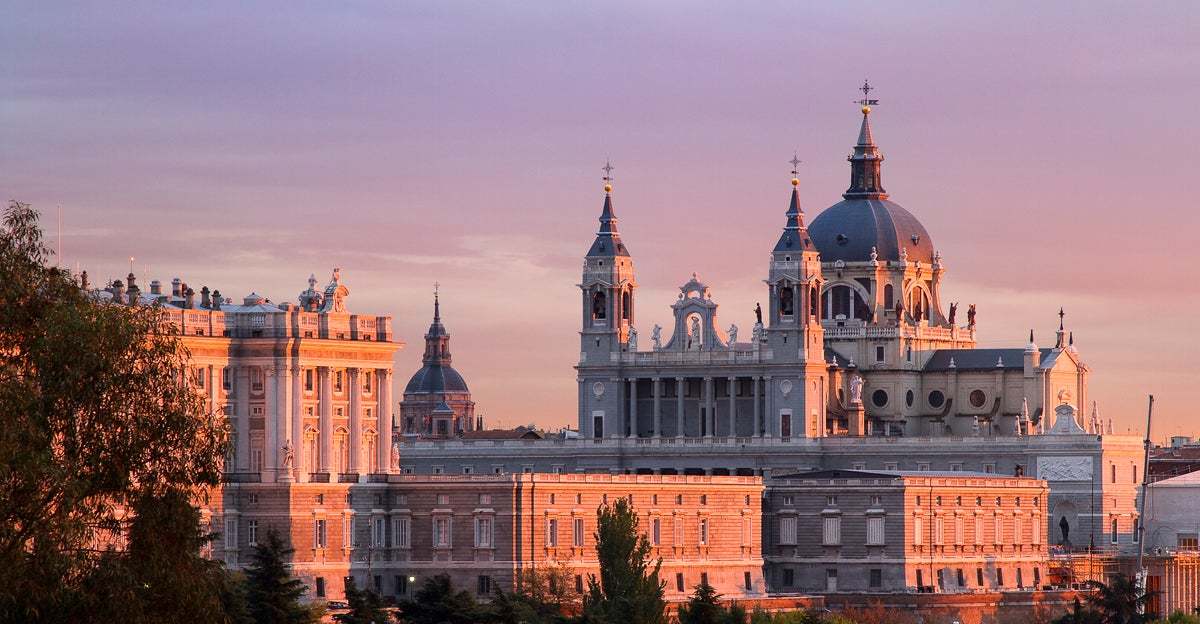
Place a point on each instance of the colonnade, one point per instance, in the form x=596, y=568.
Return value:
x=706, y=424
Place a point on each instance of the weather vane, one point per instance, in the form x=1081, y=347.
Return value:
x=795, y=164
x=867, y=89
x=608, y=169
x=436, y=286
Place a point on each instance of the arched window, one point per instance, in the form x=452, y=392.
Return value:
x=813, y=302
x=889, y=299
x=787, y=304
x=840, y=302
x=599, y=305
x=626, y=304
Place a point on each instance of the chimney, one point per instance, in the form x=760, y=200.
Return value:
x=205, y=302
x=118, y=291
x=189, y=298
x=177, y=287
x=134, y=292
x=155, y=287
x=216, y=300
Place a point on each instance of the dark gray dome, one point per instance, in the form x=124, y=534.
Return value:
x=434, y=379
x=849, y=229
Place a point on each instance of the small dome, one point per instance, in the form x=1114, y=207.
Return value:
x=434, y=379
x=849, y=229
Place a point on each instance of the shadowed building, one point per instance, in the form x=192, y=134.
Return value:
x=437, y=402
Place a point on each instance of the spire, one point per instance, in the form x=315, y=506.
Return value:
x=1059, y=343
x=866, y=180
x=437, y=339
x=608, y=239
x=795, y=232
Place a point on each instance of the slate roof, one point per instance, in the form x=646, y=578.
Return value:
x=978, y=359
x=848, y=229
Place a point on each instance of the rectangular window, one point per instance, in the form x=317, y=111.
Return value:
x=348, y=540
x=337, y=381
x=1113, y=531
x=989, y=468
x=483, y=532
x=320, y=581
x=467, y=470
x=308, y=380
x=746, y=582
x=1017, y=530
x=1134, y=472
x=704, y=531
x=366, y=381
x=1037, y=578
x=441, y=532
x=787, y=531
x=875, y=531
x=789, y=577
x=747, y=531
x=962, y=578
x=979, y=576
x=918, y=531
x=579, y=583
x=401, y=583
x=1035, y=531
x=379, y=532
x=231, y=533
x=1000, y=577
x=939, y=531
x=876, y=578
x=577, y=532
x=678, y=532
x=920, y=578
x=978, y=530
x=401, y=532
x=679, y=581
x=485, y=499
x=443, y=499
x=225, y=378
x=252, y=532
x=1187, y=541
x=655, y=532
x=704, y=578
x=1020, y=579
x=552, y=533
x=485, y=584
x=959, y=530
x=319, y=534
x=831, y=534
x=1137, y=530
x=997, y=530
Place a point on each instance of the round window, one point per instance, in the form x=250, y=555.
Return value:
x=879, y=398
x=936, y=398
x=978, y=398
x=908, y=398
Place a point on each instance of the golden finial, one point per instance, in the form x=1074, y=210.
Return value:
x=866, y=110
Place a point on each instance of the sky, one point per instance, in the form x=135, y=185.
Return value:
x=1048, y=148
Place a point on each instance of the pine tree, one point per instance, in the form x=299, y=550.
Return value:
x=437, y=603
x=273, y=593
x=704, y=607
x=629, y=590
x=366, y=607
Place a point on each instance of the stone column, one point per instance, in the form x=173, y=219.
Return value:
x=657, y=390
x=297, y=432
x=679, y=407
x=708, y=407
x=272, y=465
x=772, y=420
x=325, y=387
x=733, y=407
x=633, y=416
x=241, y=390
x=757, y=407
x=357, y=465
x=383, y=445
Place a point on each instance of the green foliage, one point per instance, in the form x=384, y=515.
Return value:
x=437, y=603
x=273, y=593
x=98, y=422
x=629, y=590
x=366, y=607
x=704, y=607
x=544, y=595
x=1180, y=617
x=1119, y=600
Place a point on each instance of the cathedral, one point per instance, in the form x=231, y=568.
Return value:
x=437, y=402
x=855, y=341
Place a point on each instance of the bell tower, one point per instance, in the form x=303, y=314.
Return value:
x=607, y=288
x=798, y=384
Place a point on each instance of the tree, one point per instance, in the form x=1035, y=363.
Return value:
x=273, y=593
x=437, y=603
x=1120, y=600
x=366, y=607
x=704, y=607
x=544, y=595
x=98, y=415
x=628, y=590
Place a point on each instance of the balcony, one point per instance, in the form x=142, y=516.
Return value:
x=669, y=358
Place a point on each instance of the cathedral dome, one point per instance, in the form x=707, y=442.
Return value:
x=849, y=229
x=435, y=379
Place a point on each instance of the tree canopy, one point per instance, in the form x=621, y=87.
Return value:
x=629, y=590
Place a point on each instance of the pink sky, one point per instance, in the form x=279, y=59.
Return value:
x=1049, y=151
